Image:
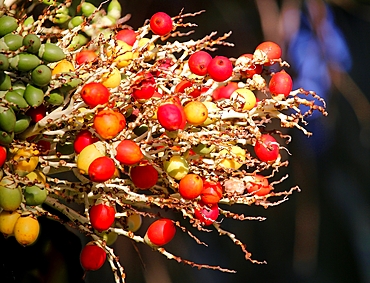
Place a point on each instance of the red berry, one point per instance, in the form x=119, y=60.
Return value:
x=267, y=148
x=258, y=186
x=94, y=94
x=2, y=155
x=199, y=61
x=281, y=83
x=170, y=117
x=207, y=214
x=224, y=92
x=92, y=257
x=252, y=68
x=161, y=23
x=190, y=186
x=83, y=139
x=127, y=35
x=160, y=232
x=272, y=51
x=220, y=68
x=128, y=152
x=150, y=173
x=102, y=216
x=101, y=169
x=211, y=192
x=145, y=86
x=37, y=113
x=85, y=56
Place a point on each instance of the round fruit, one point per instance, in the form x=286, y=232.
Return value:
x=198, y=62
x=145, y=87
x=33, y=95
x=258, y=186
x=177, y=167
x=102, y=216
x=161, y=23
x=207, y=214
x=88, y=155
x=195, y=112
x=267, y=148
x=128, y=152
x=101, y=169
x=26, y=230
x=63, y=66
x=41, y=75
x=26, y=161
x=281, y=83
x=85, y=56
x=7, y=222
x=8, y=24
x=32, y=43
x=109, y=123
x=37, y=113
x=34, y=195
x=10, y=196
x=92, y=257
x=133, y=222
x=160, y=232
x=224, y=92
x=109, y=237
x=233, y=163
x=220, y=68
x=190, y=186
x=94, y=94
x=272, y=51
x=111, y=79
x=127, y=35
x=83, y=139
x=170, y=117
x=211, y=192
x=252, y=69
x=245, y=98
x=2, y=155
x=150, y=173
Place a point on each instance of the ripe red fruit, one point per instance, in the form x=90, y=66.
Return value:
x=83, y=139
x=160, y=232
x=144, y=87
x=220, y=68
x=259, y=186
x=85, y=56
x=2, y=155
x=267, y=148
x=211, y=192
x=190, y=186
x=92, y=257
x=224, y=92
x=272, y=51
x=128, y=152
x=207, y=214
x=94, y=94
x=127, y=35
x=252, y=68
x=144, y=176
x=170, y=117
x=101, y=169
x=102, y=216
x=161, y=23
x=37, y=113
x=198, y=62
x=281, y=83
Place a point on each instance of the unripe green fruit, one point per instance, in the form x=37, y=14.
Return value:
x=87, y=9
x=6, y=138
x=13, y=41
x=177, y=167
x=50, y=52
x=16, y=98
x=10, y=198
x=114, y=9
x=41, y=75
x=22, y=123
x=75, y=22
x=19, y=87
x=33, y=95
x=24, y=62
x=204, y=149
x=34, y=195
x=7, y=119
x=29, y=21
x=5, y=81
x=78, y=41
x=32, y=43
x=8, y=24
x=55, y=97
x=4, y=62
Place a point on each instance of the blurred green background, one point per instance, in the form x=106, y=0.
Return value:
x=322, y=234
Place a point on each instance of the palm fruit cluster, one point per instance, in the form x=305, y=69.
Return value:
x=137, y=119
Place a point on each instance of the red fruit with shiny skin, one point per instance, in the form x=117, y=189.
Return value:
x=37, y=113
x=198, y=62
x=128, y=152
x=92, y=257
x=170, y=117
x=127, y=35
x=207, y=214
x=224, y=92
x=102, y=216
x=137, y=174
x=272, y=50
x=183, y=85
x=145, y=87
x=259, y=186
x=161, y=23
x=2, y=155
x=267, y=148
x=211, y=192
x=94, y=94
x=160, y=232
x=253, y=69
x=281, y=83
x=109, y=123
x=85, y=56
x=83, y=139
x=190, y=186
x=101, y=169
x=220, y=68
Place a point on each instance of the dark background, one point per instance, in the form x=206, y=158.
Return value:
x=322, y=234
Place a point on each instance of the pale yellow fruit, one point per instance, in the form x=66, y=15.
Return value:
x=7, y=222
x=111, y=79
x=26, y=230
x=37, y=175
x=149, y=51
x=26, y=161
x=63, y=66
x=232, y=163
x=212, y=109
x=88, y=155
x=245, y=98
